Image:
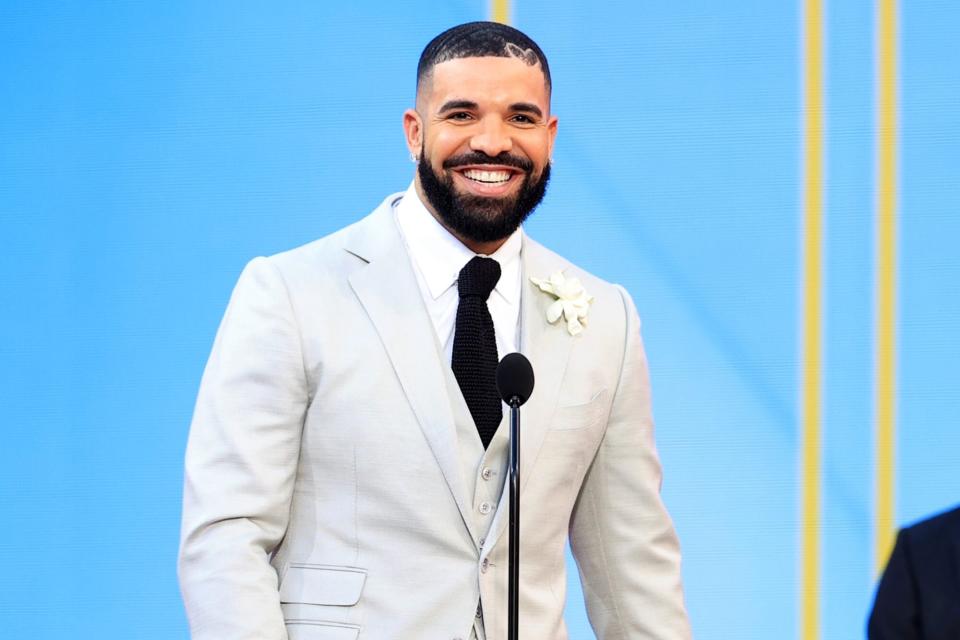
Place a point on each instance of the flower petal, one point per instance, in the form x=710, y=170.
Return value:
x=572, y=289
x=544, y=285
x=554, y=311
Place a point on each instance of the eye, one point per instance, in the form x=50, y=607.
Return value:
x=461, y=116
x=521, y=118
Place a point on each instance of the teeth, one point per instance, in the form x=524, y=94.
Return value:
x=487, y=176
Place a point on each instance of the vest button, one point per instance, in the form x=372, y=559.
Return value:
x=487, y=473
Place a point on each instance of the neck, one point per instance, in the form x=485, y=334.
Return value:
x=483, y=248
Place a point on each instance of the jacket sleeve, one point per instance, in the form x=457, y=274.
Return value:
x=241, y=463
x=620, y=533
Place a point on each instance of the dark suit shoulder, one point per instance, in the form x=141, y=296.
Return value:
x=932, y=547
x=941, y=527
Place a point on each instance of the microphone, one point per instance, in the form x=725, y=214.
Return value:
x=515, y=384
x=514, y=379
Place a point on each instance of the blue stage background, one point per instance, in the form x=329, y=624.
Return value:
x=149, y=150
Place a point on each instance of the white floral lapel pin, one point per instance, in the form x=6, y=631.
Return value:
x=572, y=301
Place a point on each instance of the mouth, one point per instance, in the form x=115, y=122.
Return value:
x=488, y=180
x=487, y=177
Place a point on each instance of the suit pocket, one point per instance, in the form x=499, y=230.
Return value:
x=580, y=414
x=322, y=584
x=317, y=630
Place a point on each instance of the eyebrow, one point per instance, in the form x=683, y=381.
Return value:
x=449, y=105
x=527, y=107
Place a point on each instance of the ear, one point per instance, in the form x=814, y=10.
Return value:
x=552, y=132
x=413, y=130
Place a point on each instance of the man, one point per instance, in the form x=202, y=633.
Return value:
x=919, y=593
x=345, y=470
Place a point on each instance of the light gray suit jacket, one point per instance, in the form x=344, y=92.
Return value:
x=329, y=490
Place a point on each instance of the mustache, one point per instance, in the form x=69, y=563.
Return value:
x=476, y=158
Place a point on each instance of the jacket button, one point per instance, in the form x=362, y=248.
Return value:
x=484, y=565
x=479, y=612
x=485, y=508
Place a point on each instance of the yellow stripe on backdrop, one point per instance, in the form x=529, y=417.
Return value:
x=886, y=280
x=812, y=357
x=500, y=11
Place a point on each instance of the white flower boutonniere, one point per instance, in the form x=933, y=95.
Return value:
x=572, y=302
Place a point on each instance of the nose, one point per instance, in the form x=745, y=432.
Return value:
x=492, y=138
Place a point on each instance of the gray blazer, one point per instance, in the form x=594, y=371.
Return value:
x=332, y=490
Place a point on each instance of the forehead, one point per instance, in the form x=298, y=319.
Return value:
x=487, y=79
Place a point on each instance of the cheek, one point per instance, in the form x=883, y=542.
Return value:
x=443, y=144
x=537, y=148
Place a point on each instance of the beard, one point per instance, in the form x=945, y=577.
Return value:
x=482, y=218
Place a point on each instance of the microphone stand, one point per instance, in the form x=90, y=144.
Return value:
x=515, y=384
x=513, y=587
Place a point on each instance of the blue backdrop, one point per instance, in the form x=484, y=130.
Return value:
x=148, y=150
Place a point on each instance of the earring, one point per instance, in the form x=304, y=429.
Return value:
x=413, y=158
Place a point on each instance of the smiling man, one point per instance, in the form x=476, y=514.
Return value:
x=346, y=461
x=482, y=133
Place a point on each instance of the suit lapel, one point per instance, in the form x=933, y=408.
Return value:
x=387, y=288
x=547, y=346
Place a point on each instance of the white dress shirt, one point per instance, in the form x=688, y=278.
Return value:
x=438, y=256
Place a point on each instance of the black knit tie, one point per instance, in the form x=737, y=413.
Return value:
x=475, y=346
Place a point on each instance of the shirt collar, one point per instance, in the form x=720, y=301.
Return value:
x=440, y=256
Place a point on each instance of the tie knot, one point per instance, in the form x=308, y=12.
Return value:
x=478, y=277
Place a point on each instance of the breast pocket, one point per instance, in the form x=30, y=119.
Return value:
x=580, y=415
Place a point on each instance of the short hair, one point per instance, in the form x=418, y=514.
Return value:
x=478, y=39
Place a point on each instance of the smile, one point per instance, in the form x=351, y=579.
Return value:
x=487, y=177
